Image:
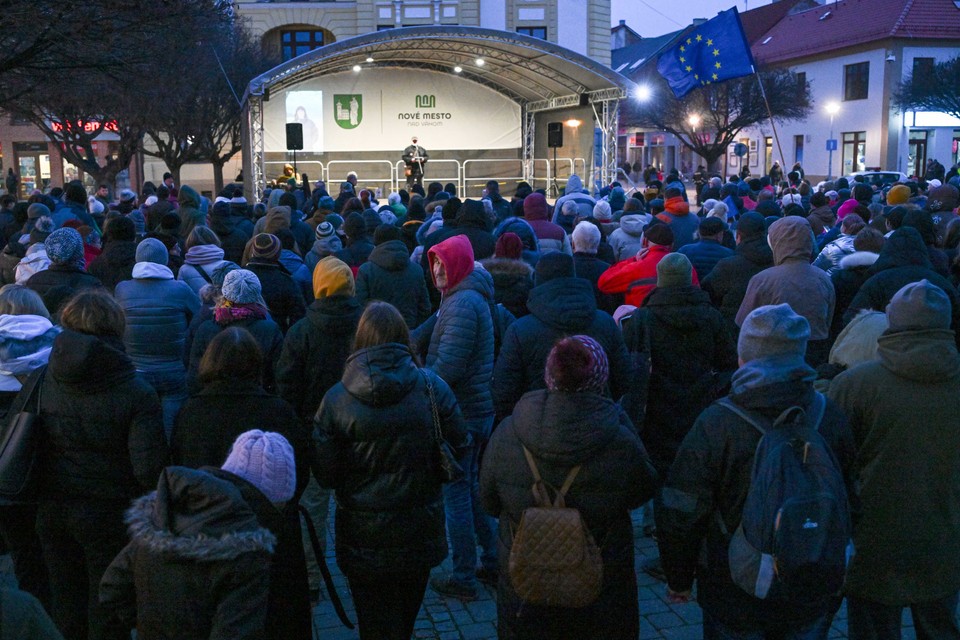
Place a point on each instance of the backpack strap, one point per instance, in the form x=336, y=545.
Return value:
x=539, y=486
x=203, y=274
x=730, y=405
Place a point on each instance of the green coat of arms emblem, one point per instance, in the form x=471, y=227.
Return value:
x=348, y=110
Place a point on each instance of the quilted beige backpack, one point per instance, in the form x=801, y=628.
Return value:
x=554, y=560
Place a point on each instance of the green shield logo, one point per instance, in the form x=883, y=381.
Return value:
x=348, y=110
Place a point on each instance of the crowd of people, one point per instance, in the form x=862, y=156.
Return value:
x=208, y=375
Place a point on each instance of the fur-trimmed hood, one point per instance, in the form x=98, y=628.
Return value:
x=196, y=516
x=507, y=267
x=858, y=259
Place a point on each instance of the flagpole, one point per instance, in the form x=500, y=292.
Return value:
x=776, y=136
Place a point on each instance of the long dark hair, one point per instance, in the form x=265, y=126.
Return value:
x=233, y=354
x=381, y=323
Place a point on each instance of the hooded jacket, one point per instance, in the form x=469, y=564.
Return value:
x=627, y=240
x=197, y=565
x=512, y=281
x=519, y=226
x=853, y=271
x=573, y=191
x=727, y=282
x=233, y=230
x=102, y=425
x=315, y=352
x=283, y=296
x=550, y=236
x=558, y=308
x=25, y=345
x=563, y=430
x=461, y=344
x=908, y=536
x=189, y=209
x=903, y=259
x=158, y=310
x=375, y=446
x=792, y=279
x=709, y=481
x=472, y=222
x=676, y=213
x=33, y=262
x=689, y=347
x=390, y=276
x=831, y=255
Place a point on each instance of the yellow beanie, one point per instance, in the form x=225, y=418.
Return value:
x=898, y=194
x=332, y=277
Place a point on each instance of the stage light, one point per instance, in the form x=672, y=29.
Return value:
x=369, y=59
x=643, y=93
x=457, y=69
x=356, y=68
x=481, y=62
x=573, y=123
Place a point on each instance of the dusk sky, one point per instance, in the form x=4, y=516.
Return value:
x=652, y=18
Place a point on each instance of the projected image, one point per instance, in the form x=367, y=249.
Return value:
x=306, y=107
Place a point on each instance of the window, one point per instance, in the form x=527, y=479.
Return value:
x=922, y=67
x=533, y=32
x=767, y=154
x=854, y=151
x=856, y=77
x=801, y=80
x=295, y=43
x=798, y=148
x=384, y=27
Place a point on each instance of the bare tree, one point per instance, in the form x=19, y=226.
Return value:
x=201, y=118
x=935, y=89
x=104, y=67
x=708, y=119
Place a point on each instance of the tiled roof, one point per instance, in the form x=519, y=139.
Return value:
x=757, y=22
x=846, y=23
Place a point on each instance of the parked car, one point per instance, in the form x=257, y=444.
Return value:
x=879, y=178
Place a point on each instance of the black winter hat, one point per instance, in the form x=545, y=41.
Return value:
x=354, y=226
x=751, y=225
x=554, y=265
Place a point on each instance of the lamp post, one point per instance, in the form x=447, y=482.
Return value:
x=832, y=108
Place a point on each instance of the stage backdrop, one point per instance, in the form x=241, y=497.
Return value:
x=381, y=109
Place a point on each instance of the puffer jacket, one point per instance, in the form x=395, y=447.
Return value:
x=853, y=271
x=283, y=296
x=58, y=282
x=704, y=255
x=197, y=565
x=627, y=240
x=472, y=222
x=709, y=481
x=636, y=277
x=684, y=225
x=300, y=273
x=461, y=345
x=572, y=191
x=374, y=445
x=830, y=256
x=115, y=263
x=727, y=283
x=315, y=351
x=563, y=430
x=102, y=424
x=558, y=308
x=690, y=350
x=25, y=345
x=158, y=310
x=903, y=259
x=322, y=247
x=391, y=277
x=519, y=226
x=793, y=280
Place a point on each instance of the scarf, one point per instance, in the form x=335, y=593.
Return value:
x=228, y=312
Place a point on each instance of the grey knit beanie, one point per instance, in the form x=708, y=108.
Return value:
x=773, y=330
x=674, y=270
x=152, y=250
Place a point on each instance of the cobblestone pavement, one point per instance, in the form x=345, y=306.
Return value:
x=449, y=619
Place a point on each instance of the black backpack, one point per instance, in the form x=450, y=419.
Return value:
x=792, y=540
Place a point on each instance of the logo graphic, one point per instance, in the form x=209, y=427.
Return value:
x=348, y=110
x=426, y=102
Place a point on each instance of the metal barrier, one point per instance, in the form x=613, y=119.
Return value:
x=380, y=182
x=583, y=166
x=401, y=181
x=468, y=163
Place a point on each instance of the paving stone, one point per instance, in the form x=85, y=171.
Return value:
x=647, y=631
x=478, y=631
x=686, y=632
x=690, y=612
x=483, y=610
x=665, y=620
x=649, y=607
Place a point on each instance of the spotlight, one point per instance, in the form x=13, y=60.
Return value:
x=369, y=59
x=481, y=62
x=458, y=69
x=643, y=93
x=356, y=68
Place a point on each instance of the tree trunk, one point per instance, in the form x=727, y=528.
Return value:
x=217, y=177
x=175, y=170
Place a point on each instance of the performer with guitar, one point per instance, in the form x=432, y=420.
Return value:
x=415, y=157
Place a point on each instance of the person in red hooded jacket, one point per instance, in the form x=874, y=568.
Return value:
x=676, y=213
x=461, y=353
x=636, y=277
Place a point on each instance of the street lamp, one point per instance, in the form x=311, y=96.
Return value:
x=832, y=108
x=694, y=121
x=643, y=93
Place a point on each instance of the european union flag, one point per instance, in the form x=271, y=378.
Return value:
x=711, y=52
